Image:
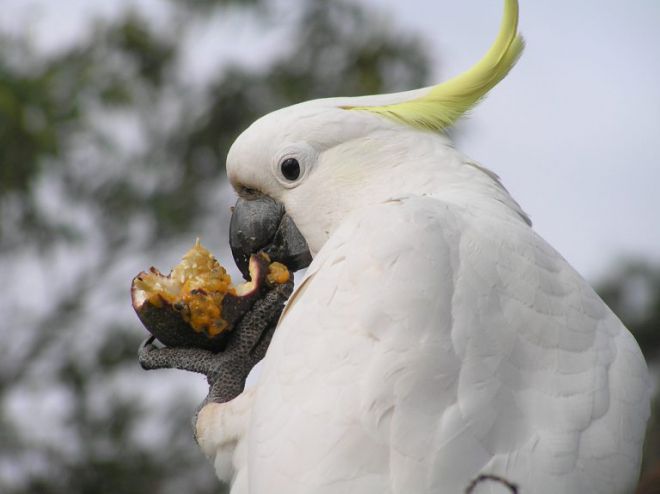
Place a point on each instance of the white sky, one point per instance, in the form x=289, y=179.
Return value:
x=574, y=131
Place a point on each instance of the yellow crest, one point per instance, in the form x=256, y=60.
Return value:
x=443, y=104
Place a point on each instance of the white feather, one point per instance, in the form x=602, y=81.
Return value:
x=430, y=345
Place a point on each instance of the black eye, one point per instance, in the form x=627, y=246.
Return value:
x=290, y=169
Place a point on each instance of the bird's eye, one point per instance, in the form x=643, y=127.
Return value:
x=290, y=169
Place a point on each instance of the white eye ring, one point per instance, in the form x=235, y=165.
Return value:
x=291, y=167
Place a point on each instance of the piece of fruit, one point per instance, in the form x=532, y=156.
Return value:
x=196, y=305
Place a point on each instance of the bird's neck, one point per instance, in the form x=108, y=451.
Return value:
x=364, y=173
x=436, y=169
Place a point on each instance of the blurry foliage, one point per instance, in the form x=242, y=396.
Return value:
x=109, y=155
x=633, y=293
x=51, y=104
x=203, y=7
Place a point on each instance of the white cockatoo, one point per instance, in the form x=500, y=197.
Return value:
x=435, y=336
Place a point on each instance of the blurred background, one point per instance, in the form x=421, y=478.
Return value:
x=115, y=119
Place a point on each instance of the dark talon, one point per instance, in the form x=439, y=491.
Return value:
x=147, y=345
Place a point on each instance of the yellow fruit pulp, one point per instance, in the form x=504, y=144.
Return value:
x=195, y=287
x=277, y=273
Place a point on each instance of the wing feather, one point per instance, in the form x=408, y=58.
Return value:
x=430, y=345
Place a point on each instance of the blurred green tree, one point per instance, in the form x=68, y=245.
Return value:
x=110, y=160
x=632, y=290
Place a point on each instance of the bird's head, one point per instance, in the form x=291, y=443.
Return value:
x=300, y=170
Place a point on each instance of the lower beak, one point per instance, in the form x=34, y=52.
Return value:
x=262, y=225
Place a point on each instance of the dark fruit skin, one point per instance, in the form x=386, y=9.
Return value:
x=169, y=327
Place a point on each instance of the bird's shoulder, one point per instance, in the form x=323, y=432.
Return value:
x=488, y=337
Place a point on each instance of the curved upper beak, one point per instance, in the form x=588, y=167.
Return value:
x=262, y=225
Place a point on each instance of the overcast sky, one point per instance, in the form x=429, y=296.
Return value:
x=574, y=131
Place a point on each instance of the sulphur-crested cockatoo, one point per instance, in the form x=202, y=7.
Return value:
x=435, y=336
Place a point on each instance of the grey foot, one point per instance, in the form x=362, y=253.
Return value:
x=226, y=371
x=191, y=359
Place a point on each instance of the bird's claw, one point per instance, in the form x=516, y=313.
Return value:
x=226, y=371
x=147, y=345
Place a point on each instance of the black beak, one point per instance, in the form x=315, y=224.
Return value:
x=262, y=225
